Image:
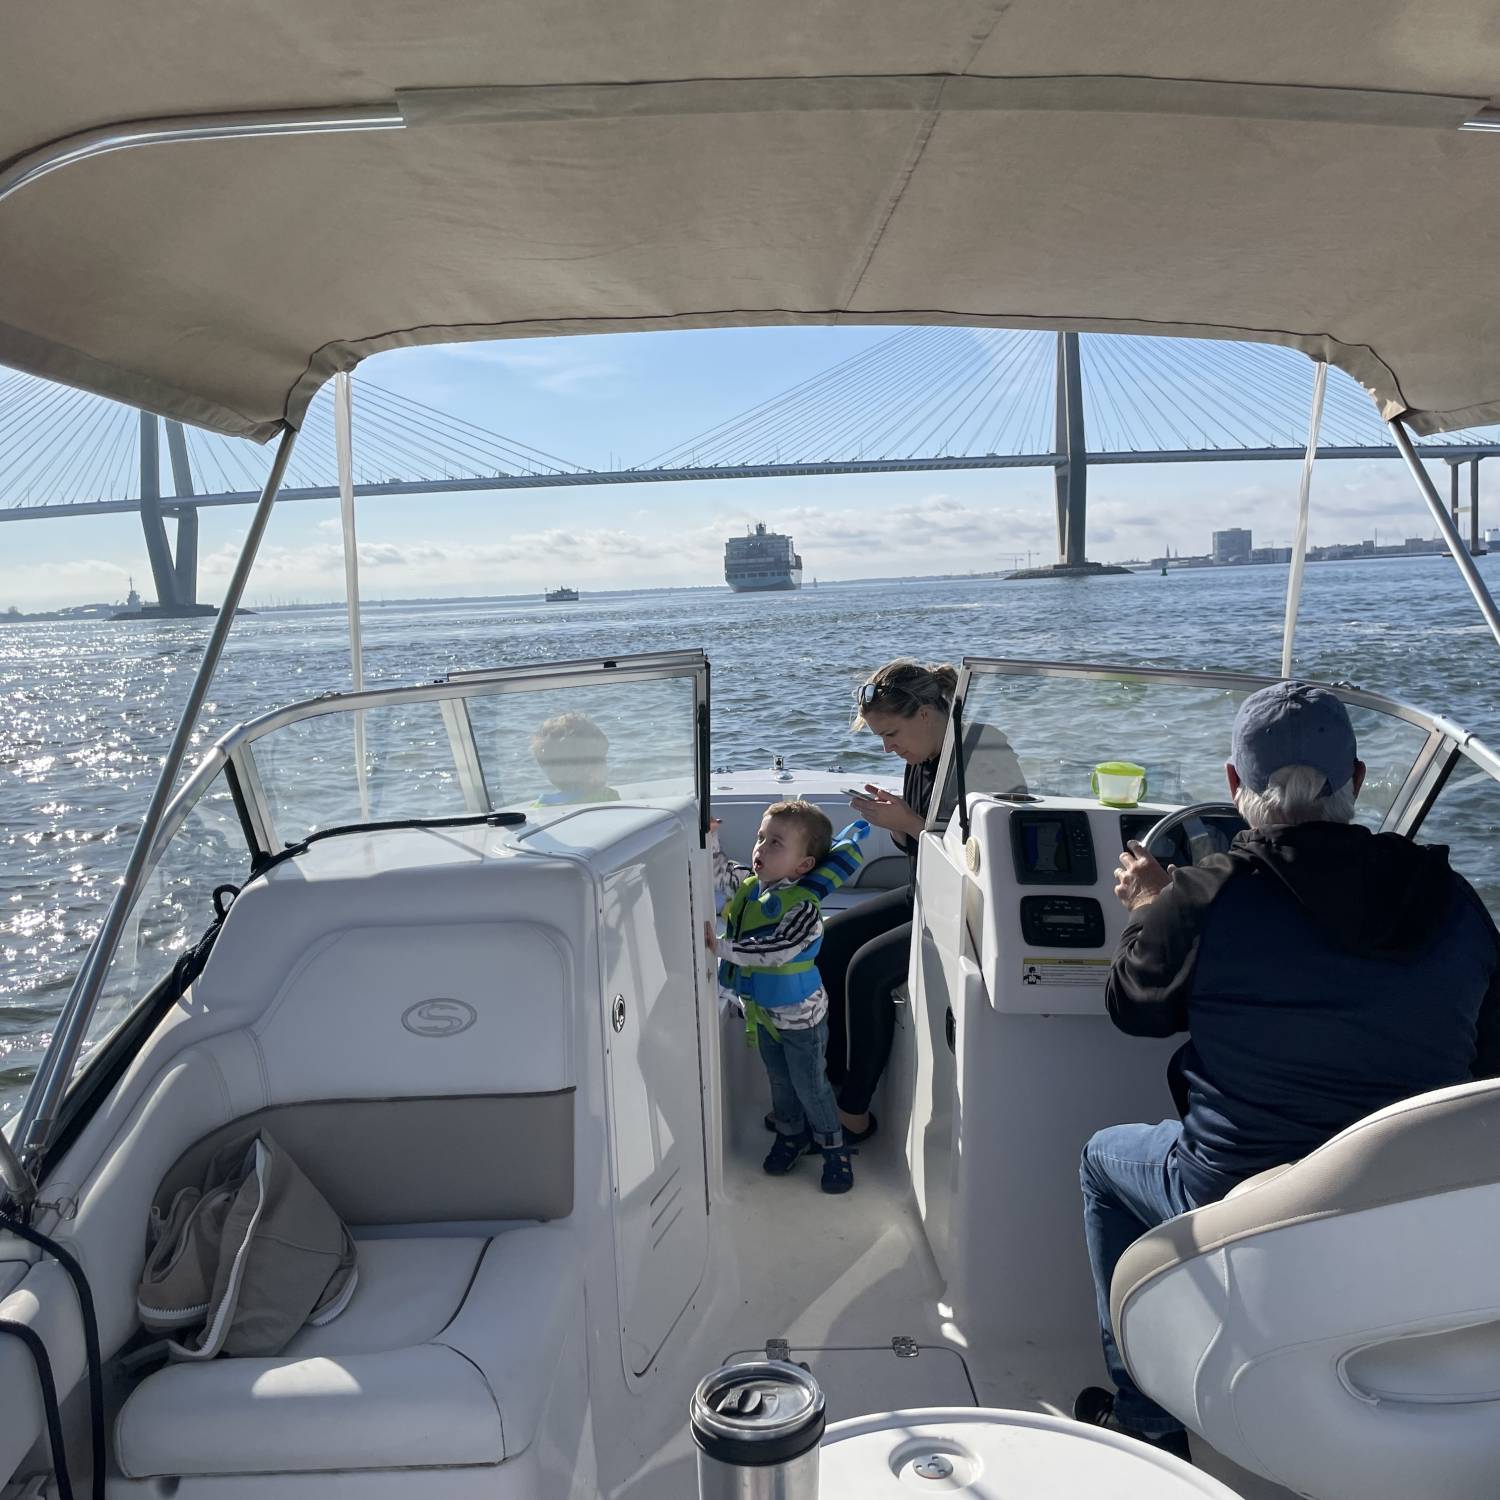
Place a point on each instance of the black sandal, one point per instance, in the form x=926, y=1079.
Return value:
x=783, y=1155
x=838, y=1170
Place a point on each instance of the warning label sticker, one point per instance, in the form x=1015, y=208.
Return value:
x=1065, y=971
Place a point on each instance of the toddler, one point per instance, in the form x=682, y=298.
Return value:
x=773, y=928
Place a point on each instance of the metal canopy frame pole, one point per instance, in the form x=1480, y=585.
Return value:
x=1449, y=532
x=53, y=1076
x=343, y=433
x=1304, y=499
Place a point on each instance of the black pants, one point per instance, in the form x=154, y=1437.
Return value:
x=863, y=959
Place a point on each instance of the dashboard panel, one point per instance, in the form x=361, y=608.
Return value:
x=1038, y=896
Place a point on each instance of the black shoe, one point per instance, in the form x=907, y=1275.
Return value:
x=783, y=1155
x=1096, y=1407
x=838, y=1171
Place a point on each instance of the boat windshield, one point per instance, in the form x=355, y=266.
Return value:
x=541, y=741
x=528, y=742
x=1063, y=720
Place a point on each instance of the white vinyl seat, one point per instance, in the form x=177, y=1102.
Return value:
x=1334, y=1325
x=444, y=1358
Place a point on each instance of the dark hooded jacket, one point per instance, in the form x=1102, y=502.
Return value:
x=1322, y=972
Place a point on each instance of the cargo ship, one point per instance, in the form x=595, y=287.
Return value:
x=761, y=560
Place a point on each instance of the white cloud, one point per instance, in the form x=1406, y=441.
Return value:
x=66, y=581
x=557, y=369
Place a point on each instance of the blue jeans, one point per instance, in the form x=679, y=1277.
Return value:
x=1130, y=1184
x=801, y=1095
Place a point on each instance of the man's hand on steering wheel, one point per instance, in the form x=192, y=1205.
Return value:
x=1139, y=879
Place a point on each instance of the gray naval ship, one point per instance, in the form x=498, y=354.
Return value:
x=761, y=560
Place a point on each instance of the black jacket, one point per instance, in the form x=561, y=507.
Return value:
x=1322, y=972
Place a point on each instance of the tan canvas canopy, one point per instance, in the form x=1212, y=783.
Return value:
x=1291, y=171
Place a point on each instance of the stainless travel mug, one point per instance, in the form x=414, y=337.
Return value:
x=757, y=1427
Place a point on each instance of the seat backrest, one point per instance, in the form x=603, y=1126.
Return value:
x=1335, y=1326
x=399, y=1012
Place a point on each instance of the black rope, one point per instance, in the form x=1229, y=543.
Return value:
x=95, y=1364
x=50, y=1409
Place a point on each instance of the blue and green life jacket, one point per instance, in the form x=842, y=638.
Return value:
x=750, y=910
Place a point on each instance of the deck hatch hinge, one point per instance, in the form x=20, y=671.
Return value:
x=905, y=1348
x=778, y=1349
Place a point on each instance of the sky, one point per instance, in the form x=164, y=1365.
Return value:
x=612, y=400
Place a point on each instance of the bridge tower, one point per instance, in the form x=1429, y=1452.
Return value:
x=1071, y=476
x=176, y=579
x=1071, y=473
x=1476, y=543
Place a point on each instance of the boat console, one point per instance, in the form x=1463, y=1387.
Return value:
x=1051, y=925
x=1017, y=1062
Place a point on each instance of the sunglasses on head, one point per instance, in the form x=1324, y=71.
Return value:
x=871, y=693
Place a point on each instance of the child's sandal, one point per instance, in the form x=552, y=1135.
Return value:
x=838, y=1170
x=783, y=1155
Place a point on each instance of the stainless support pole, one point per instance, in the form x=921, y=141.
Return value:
x=56, y=1071
x=1299, y=545
x=343, y=436
x=1482, y=596
x=14, y=1177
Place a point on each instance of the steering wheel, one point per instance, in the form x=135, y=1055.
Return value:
x=1183, y=815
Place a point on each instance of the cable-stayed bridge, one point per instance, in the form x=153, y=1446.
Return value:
x=921, y=399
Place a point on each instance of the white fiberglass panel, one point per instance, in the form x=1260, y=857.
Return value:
x=650, y=1020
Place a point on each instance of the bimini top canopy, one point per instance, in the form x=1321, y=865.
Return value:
x=465, y=169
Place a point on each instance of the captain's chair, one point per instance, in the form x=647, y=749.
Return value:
x=1335, y=1325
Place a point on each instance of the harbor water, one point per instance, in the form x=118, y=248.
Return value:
x=87, y=707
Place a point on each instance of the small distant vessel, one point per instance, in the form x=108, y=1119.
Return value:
x=562, y=596
x=132, y=605
x=761, y=561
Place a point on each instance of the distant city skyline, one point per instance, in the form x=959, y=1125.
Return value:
x=634, y=394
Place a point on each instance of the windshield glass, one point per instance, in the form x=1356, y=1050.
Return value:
x=579, y=743
x=527, y=742
x=1063, y=722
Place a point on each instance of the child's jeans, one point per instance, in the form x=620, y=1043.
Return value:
x=801, y=1095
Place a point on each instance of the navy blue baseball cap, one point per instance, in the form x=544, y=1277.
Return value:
x=1292, y=724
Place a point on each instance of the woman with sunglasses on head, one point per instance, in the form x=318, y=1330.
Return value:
x=866, y=950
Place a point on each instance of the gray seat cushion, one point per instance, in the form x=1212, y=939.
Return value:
x=443, y=1358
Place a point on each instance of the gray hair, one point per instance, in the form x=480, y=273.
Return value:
x=1295, y=795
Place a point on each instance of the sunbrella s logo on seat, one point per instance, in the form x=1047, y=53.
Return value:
x=439, y=1017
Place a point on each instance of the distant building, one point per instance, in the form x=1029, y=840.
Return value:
x=1270, y=554
x=1232, y=546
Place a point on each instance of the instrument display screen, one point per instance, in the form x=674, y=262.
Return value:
x=1052, y=848
x=1045, y=846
